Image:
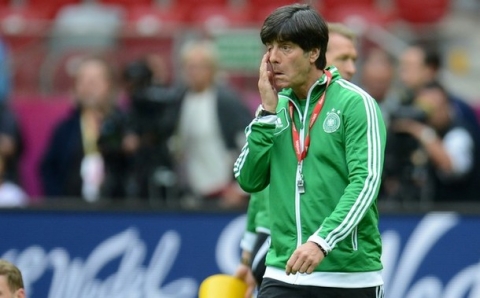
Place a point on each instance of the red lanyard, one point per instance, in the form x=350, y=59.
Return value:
x=316, y=112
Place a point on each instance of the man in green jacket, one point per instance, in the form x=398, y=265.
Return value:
x=341, y=53
x=319, y=144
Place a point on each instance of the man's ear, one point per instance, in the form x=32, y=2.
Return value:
x=314, y=54
x=20, y=293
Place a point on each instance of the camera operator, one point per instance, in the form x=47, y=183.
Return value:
x=405, y=165
x=142, y=136
x=449, y=145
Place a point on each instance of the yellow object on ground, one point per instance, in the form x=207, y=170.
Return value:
x=222, y=286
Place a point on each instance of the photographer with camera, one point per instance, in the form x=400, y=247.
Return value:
x=143, y=163
x=449, y=144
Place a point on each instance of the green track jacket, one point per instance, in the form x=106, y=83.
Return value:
x=341, y=173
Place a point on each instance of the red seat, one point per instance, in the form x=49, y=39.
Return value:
x=150, y=29
x=259, y=9
x=128, y=4
x=20, y=24
x=359, y=15
x=150, y=20
x=331, y=4
x=24, y=29
x=220, y=16
x=53, y=6
x=426, y=11
x=195, y=4
x=258, y=4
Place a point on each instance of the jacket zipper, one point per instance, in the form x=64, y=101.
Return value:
x=299, y=175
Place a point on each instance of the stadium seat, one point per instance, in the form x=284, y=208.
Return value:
x=20, y=25
x=24, y=30
x=422, y=12
x=213, y=17
x=259, y=9
x=150, y=29
x=151, y=20
x=128, y=4
x=194, y=4
x=359, y=15
x=332, y=4
x=258, y=4
x=53, y=6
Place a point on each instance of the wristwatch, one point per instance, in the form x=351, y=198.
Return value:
x=262, y=112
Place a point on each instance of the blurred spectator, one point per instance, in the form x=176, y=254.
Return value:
x=151, y=122
x=5, y=75
x=378, y=79
x=406, y=167
x=72, y=165
x=11, y=142
x=451, y=149
x=420, y=65
x=211, y=128
x=341, y=50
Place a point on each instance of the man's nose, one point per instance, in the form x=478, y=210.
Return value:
x=274, y=55
x=351, y=68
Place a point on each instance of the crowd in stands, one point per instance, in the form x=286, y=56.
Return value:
x=142, y=130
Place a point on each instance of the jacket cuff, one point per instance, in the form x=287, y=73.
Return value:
x=248, y=241
x=270, y=119
x=320, y=241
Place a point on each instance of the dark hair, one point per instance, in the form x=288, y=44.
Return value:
x=432, y=59
x=300, y=24
x=431, y=56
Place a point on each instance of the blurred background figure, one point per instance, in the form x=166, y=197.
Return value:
x=212, y=119
x=151, y=121
x=11, y=141
x=452, y=153
x=341, y=50
x=378, y=79
x=72, y=165
x=407, y=168
x=5, y=75
x=419, y=65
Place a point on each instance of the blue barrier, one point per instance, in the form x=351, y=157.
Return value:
x=167, y=255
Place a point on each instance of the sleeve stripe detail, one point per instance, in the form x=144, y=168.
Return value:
x=237, y=166
x=367, y=195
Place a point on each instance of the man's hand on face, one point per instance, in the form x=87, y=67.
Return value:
x=266, y=85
